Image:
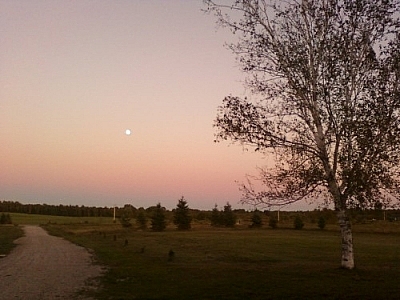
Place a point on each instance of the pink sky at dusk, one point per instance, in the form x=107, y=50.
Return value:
x=74, y=75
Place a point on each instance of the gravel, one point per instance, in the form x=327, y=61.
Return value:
x=46, y=267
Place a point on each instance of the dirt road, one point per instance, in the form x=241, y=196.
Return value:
x=45, y=267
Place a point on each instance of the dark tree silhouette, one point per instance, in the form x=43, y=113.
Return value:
x=298, y=223
x=256, y=219
x=229, y=217
x=5, y=219
x=182, y=218
x=216, y=217
x=158, y=222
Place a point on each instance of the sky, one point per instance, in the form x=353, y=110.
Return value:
x=75, y=75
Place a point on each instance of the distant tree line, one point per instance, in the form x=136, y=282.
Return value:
x=55, y=210
x=182, y=215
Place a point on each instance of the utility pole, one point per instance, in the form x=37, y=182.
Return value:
x=279, y=210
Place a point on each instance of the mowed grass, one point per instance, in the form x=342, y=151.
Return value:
x=9, y=233
x=238, y=264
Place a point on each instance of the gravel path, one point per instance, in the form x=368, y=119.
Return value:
x=45, y=267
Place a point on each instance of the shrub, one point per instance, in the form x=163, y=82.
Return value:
x=171, y=255
x=5, y=219
x=321, y=223
x=298, y=223
x=225, y=218
x=200, y=216
x=229, y=218
x=216, y=217
x=125, y=220
x=182, y=219
x=256, y=220
x=273, y=223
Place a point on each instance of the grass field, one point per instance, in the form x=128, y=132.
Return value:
x=209, y=263
x=239, y=263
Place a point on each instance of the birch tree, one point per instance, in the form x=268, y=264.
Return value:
x=324, y=80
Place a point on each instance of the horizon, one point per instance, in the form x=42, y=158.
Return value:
x=248, y=209
x=77, y=75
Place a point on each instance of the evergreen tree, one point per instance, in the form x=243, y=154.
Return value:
x=298, y=223
x=256, y=219
x=182, y=219
x=321, y=223
x=158, y=222
x=229, y=217
x=216, y=218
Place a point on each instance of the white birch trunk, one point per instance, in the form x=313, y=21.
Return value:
x=347, y=240
x=347, y=261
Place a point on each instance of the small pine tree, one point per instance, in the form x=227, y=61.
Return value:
x=229, y=217
x=182, y=219
x=298, y=223
x=256, y=219
x=216, y=217
x=158, y=222
x=141, y=220
x=321, y=223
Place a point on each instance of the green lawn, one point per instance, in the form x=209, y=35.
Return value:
x=238, y=264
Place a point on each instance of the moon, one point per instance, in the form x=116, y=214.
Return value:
x=128, y=132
